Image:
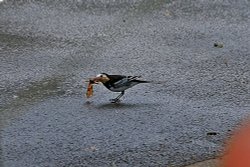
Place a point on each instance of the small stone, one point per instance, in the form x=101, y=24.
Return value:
x=167, y=13
x=218, y=45
x=212, y=133
x=15, y=96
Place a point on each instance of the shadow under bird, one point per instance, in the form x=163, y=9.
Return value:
x=117, y=83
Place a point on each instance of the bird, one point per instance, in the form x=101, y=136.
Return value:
x=117, y=83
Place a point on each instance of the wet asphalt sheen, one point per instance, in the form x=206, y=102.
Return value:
x=196, y=51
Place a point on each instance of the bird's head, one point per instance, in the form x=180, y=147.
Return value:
x=103, y=78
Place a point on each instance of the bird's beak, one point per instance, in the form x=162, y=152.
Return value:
x=95, y=80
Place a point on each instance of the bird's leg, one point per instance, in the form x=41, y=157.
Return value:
x=117, y=99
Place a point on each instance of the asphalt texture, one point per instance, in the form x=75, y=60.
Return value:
x=208, y=163
x=196, y=51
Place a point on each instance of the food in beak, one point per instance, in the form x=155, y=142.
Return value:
x=89, y=92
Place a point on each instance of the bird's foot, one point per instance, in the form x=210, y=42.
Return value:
x=115, y=100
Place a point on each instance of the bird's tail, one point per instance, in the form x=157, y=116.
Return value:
x=135, y=78
x=152, y=82
x=141, y=81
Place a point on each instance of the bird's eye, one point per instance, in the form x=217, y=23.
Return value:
x=99, y=75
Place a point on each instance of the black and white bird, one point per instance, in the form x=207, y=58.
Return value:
x=117, y=83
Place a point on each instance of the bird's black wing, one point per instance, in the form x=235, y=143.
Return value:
x=116, y=78
x=121, y=80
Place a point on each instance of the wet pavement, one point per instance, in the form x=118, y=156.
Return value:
x=47, y=49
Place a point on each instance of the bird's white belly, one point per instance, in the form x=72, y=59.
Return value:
x=119, y=89
x=123, y=87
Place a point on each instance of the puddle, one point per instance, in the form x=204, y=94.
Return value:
x=44, y=88
x=148, y=6
x=35, y=92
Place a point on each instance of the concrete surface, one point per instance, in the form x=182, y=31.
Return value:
x=208, y=163
x=49, y=47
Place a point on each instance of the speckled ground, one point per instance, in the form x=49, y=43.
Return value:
x=49, y=48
